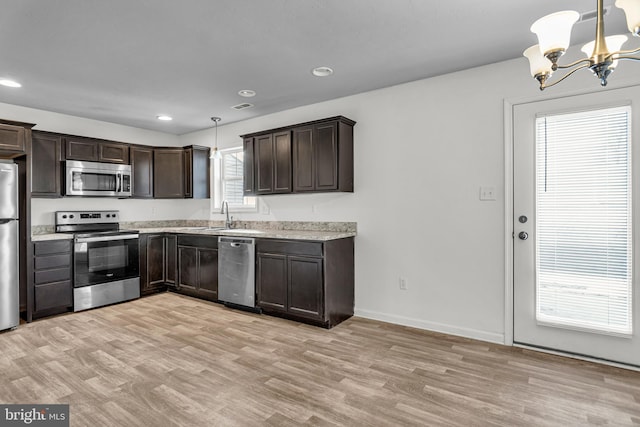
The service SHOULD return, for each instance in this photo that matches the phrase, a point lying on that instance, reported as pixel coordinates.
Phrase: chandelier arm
(633, 58)
(573, 64)
(544, 86)
(624, 52)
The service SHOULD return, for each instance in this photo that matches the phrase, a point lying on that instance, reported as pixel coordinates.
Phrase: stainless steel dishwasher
(236, 271)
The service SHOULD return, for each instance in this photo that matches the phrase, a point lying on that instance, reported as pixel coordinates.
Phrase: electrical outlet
(488, 193)
(403, 283)
(264, 208)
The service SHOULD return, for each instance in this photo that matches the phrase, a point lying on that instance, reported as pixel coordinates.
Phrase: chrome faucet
(229, 221)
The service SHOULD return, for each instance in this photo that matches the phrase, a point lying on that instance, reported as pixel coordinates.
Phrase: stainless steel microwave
(97, 179)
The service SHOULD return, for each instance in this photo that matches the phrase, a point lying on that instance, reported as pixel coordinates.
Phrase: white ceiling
(126, 61)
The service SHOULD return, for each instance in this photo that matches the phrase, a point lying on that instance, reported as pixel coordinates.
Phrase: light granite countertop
(271, 231)
(266, 233)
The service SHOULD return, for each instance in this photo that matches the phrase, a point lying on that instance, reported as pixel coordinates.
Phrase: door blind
(583, 220)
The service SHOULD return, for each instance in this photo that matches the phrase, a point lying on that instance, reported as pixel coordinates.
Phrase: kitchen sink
(242, 230)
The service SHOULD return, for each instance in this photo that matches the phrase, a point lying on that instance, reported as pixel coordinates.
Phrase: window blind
(232, 177)
(583, 220)
(228, 179)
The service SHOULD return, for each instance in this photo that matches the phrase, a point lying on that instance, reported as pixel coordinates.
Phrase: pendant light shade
(614, 43)
(215, 154)
(554, 31)
(632, 11)
(539, 64)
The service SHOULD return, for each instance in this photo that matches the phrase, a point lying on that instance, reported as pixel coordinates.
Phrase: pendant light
(603, 54)
(216, 153)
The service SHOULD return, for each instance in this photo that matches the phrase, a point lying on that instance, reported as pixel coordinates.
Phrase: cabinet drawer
(210, 242)
(51, 295)
(52, 247)
(55, 275)
(52, 261)
(289, 247)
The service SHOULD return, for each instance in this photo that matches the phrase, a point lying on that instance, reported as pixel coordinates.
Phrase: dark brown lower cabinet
(271, 281)
(157, 262)
(52, 277)
(312, 282)
(198, 266)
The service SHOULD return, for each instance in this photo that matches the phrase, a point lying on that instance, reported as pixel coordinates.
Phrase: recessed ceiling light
(322, 71)
(164, 117)
(247, 93)
(9, 83)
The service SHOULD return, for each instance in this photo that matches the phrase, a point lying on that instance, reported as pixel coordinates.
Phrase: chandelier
(554, 33)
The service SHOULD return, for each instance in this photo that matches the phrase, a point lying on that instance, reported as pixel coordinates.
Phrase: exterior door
(575, 206)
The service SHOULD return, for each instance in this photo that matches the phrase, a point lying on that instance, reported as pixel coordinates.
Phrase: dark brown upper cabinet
(168, 173)
(46, 154)
(196, 172)
(309, 157)
(113, 152)
(273, 163)
(142, 172)
(323, 156)
(94, 150)
(249, 172)
(13, 138)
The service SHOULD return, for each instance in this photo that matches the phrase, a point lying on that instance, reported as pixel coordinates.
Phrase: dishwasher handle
(236, 242)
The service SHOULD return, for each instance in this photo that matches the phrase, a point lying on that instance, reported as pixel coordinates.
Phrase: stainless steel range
(106, 263)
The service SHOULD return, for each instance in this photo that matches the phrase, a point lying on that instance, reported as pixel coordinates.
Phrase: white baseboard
(432, 326)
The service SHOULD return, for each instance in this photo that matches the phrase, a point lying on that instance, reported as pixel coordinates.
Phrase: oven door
(101, 259)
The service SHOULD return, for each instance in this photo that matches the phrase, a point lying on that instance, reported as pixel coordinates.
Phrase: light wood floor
(169, 360)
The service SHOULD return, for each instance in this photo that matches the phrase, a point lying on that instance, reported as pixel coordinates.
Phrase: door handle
(523, 235)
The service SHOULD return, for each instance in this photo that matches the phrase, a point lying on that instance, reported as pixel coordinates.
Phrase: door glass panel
(583, 214)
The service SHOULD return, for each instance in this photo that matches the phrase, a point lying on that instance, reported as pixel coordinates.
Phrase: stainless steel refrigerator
(9, 248)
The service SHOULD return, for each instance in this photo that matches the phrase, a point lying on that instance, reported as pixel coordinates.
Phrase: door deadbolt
(523, 235)
(523, 219)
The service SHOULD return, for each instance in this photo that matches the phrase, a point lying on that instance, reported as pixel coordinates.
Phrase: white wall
(422, 151)
(130, 210)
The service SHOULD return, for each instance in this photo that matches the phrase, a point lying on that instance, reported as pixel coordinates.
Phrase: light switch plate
(488, 193)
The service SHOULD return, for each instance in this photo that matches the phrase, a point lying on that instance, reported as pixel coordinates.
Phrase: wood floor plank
(170, 360)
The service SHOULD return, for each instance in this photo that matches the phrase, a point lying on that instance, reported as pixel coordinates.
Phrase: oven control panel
(87, 217)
